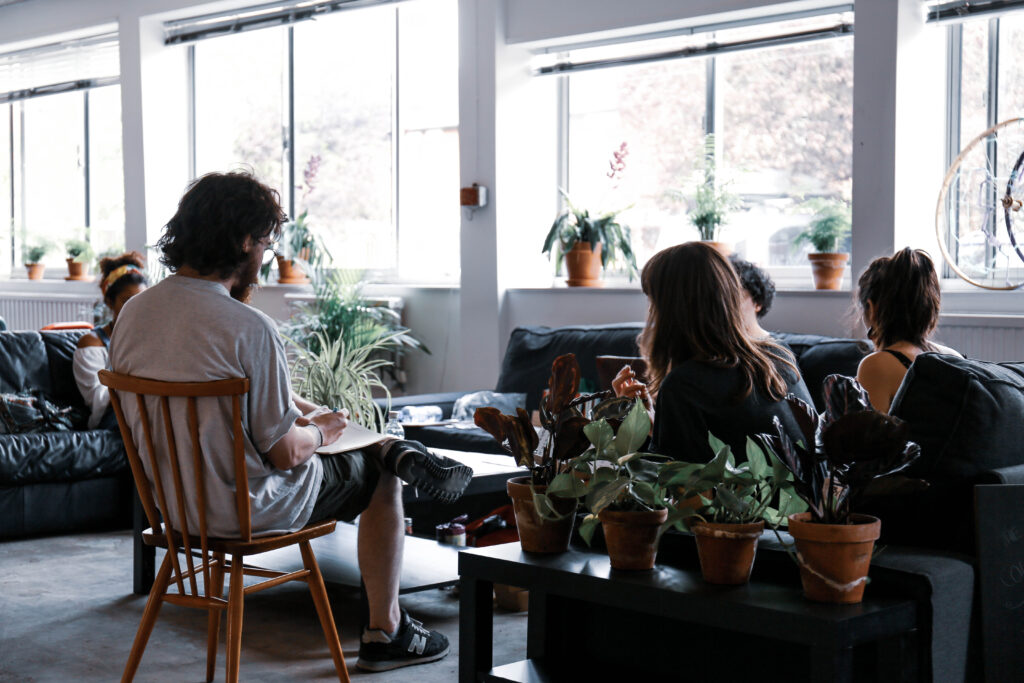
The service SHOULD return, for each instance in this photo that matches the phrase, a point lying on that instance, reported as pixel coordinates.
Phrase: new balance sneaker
(439, 477)
(410, 644)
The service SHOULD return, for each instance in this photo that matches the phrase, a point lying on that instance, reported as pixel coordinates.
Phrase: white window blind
(699, 41)
(256, 17)
(960, 10)
(59, 67)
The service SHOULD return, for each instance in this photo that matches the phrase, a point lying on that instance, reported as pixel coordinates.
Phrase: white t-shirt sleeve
(86, 362)
(271, 409)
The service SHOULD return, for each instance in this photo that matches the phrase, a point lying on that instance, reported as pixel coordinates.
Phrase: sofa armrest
(1014, 474)
(445, 400)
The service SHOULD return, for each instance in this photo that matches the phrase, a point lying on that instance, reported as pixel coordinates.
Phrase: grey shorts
(348, 484)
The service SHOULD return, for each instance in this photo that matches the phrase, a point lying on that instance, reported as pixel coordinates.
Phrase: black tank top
(902, 358)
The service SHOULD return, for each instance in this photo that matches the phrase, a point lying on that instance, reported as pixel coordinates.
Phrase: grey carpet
(67, 613)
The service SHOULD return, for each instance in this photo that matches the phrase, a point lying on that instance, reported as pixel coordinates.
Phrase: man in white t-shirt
(196, 326)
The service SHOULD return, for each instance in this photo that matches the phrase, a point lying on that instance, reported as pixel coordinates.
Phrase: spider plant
(341, 374)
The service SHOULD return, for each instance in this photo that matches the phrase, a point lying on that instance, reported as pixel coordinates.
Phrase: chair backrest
(164, 454)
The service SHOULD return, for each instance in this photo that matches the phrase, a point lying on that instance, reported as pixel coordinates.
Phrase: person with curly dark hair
(758, 295)
(899, 299)
(195, 326)
(121, 278)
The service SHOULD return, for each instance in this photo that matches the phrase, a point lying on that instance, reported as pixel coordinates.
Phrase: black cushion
(60, 456)
(474, 440)
(60, 351)
(819, 357)
(531, 351)
(24, 365)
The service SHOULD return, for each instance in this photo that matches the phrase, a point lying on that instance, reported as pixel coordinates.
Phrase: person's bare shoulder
(89, 339)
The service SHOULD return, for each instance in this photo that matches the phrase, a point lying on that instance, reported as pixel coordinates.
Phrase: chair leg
(235, 605)
(323, 609)
(215, 590)
(149, 615)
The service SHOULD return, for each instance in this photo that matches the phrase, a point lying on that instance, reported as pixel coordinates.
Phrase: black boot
(439, 477)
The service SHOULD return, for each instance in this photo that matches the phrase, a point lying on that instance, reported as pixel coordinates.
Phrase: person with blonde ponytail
(899, 299)
(705, 368)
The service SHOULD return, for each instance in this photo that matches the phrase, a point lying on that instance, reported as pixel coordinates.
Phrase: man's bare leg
(381, 540)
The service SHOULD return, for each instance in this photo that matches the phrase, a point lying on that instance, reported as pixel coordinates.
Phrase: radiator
(985, 337)
(31, 312)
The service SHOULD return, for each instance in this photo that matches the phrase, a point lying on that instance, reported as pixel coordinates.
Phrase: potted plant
(840, 455)
(619, 488)
(79, 254)
(32, 255)
(732, 505)
(544, 522)
(711, 202)
(829, 227)
(301, 252)
(589, 243)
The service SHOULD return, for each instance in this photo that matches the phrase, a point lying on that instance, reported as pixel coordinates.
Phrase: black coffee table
(582, 613)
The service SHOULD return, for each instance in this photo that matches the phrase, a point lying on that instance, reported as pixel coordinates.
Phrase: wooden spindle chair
(203, 555)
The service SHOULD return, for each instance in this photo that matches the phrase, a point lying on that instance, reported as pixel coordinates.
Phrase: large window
(61, 174)
(354, 118)
(781, 119)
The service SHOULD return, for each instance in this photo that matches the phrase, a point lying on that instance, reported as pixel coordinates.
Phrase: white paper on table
(354, 436)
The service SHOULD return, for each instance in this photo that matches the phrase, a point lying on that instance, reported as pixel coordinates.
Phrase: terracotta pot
(289, 273)
(726, 551)
(834, 558)
(721, 247)
(827, 270)
(632, 537)
(584, 265)
(538, 535)
(76, 270)
(35, 270)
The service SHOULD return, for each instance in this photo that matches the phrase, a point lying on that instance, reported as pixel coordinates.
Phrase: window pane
(787, 135)
(428, 164)
(6, 187)
(106, 170)
(658, 111)
(54, 183)
(973, 81)
(240, 91)
(344, 83)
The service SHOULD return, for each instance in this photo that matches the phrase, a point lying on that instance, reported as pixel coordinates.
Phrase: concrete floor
(67, 613)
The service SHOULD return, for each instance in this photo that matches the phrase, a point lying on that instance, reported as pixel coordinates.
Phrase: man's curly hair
(757, 283)
(216, 214)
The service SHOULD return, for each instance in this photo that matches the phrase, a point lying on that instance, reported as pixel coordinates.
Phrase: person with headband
(121, 279)
(899, 299)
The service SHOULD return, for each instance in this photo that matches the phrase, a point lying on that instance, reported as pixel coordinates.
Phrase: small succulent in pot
(844, 451)
(78, 250)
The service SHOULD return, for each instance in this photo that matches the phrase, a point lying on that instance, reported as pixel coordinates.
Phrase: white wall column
(132, 141)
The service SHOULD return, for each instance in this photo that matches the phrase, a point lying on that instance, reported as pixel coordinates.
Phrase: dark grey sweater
(697, 397)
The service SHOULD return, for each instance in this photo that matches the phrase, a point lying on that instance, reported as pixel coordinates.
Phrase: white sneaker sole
(389, 664)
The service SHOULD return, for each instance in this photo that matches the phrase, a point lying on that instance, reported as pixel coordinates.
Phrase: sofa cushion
(531, 351)
(60, 352)
(819, 357)
(60, 456)
(24, 365)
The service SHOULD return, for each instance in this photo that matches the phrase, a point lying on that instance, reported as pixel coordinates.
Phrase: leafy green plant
(343, 375)
(299, 243)
(829, 227)
(561, 418)
(844, 451)
(340, 311)
(728, 493)
(34, 253)
(612, 473)
(78, 250)
(577, 225)
(712, 201)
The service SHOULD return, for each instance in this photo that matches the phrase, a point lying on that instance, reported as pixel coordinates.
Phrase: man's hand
(299, 444)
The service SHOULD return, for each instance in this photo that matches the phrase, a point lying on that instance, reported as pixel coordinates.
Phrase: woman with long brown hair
(899, 299)
(706, 370)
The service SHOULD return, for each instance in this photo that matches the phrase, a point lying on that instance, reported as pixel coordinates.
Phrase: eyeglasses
(269, 245)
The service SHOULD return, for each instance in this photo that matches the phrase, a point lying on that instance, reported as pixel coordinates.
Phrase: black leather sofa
(531, 350)
(60, 481)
